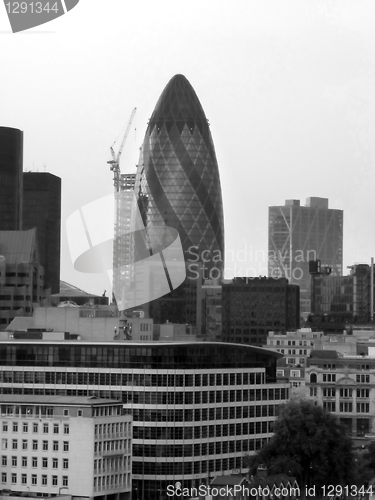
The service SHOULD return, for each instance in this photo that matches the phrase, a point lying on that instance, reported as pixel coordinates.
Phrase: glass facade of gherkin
(177, 182)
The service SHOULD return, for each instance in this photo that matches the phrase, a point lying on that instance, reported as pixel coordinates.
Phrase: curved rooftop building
(198, 408)
(178, 182)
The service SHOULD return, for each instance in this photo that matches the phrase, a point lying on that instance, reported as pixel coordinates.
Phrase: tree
(309, 444)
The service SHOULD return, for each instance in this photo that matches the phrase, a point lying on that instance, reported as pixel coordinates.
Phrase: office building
(252, 307)
(178, 185)
(51, 445)
(11, 164)
(299, 234)
(122, 245)
(198, 407)
(42, 210)
(341, 300)
(345, 386)
(21, 275)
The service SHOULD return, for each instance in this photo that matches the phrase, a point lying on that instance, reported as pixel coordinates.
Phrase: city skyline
(286, 88)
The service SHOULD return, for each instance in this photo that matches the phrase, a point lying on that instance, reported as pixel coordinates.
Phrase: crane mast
(115, 162)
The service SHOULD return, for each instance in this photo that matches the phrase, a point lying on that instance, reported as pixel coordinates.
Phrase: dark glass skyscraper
(42, 209)
(11, 160)
(178, 183)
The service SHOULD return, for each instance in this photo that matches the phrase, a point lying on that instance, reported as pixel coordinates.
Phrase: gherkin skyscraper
(178, 182)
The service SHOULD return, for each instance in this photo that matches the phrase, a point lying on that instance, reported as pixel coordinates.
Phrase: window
(55, 428)
(66, 445)
(34, 479)
(54, 480)
(363, 393)
(329, 377)
(66, 413)
(363, 379)
(3, 477)
(45, 428)
(44, 462)
(45, 445)
(24, 461)
(4, 444)
(79, 413)
(35, 428)
(65, 463)
(66, 428)
(55, 463)
(14, 478)
(363, 407)
(5, 426)
(329, 392)
(25, 427)
(65, 481)
(295, 373)
(35, 444)
(14, 461)
(24, 444)
(44, 480)
(4, 461)
(14, 444)
(24, 478)
(329, 406)
(34, 462)
(346, 393)
(15, 426)
(55, 446)
(346, 407)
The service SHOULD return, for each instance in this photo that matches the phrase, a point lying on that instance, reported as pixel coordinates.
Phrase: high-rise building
(252, 307)
(178, 185)
(337, 301)
(11, 164)
(299, 234)
(42, 209)
(21, 275)
(122, 245)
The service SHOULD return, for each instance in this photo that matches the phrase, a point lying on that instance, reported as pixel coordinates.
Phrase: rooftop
(55, 400)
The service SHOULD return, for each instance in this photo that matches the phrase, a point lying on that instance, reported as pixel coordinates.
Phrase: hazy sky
(288, 88)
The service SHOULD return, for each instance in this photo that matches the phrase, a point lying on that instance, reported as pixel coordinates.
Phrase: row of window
(202, 432)
(37, 411)
(163, 468)
(35, 427)
(130, 379)
(346, 407)
(24, 444)
(117, 444)
(205, 397)
(23, 478)
(202, 415)
(331, 377)
(14, 461)
(330, 392)
(201, 449)
(110, 464)
(112, 429)
(111, 482)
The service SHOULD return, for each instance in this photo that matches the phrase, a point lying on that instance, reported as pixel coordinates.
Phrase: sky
(287, 86)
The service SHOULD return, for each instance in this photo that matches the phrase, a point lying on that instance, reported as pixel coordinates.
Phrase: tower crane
(115, 162)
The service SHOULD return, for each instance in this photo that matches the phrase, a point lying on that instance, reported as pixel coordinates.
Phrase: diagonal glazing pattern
(177, 182)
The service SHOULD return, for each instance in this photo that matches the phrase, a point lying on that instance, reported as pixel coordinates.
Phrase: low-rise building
(62, 444)
(345, 386)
